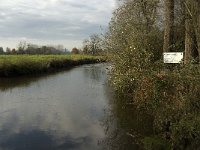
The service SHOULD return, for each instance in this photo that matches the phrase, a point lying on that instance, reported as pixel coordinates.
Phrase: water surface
(70, 110)
(61, 111)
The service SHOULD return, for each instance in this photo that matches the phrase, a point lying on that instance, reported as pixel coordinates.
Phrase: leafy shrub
(171, 96)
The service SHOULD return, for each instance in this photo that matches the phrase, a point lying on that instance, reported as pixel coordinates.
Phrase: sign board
(173, 57)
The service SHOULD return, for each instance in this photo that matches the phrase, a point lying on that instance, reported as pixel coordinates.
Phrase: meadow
(17, 65)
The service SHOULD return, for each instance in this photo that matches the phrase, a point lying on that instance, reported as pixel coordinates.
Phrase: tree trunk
(198, 34)
(192, 39)
(169, 25)
(188, 41)
(196, 22)
(191, 52)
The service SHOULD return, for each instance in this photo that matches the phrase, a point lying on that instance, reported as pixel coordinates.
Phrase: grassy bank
(16, 65)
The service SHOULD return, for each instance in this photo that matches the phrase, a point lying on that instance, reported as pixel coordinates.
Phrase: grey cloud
(53, 19)
(74, 4)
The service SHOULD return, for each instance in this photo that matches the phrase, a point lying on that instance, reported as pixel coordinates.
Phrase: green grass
(16, 65)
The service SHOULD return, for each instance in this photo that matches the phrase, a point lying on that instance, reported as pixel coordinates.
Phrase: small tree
(22, 46)
(8, 50)
(93, 45)
(14, 51)
(86, 49)
(1, 50)
(75, 51)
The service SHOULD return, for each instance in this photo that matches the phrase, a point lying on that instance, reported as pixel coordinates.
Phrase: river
(57, 111)
(71, 110)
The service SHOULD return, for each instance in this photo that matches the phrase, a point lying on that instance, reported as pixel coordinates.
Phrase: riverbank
(17, 65)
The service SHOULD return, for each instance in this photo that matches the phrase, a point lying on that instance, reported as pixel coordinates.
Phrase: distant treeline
(28, 48)
(92, 46)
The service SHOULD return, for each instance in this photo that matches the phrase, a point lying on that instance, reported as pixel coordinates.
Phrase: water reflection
(39, 140)
(94, 73)
(125, 126)
(10, 83)
(61, 111)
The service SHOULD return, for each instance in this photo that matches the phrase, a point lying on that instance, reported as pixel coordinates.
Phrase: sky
(52, 22)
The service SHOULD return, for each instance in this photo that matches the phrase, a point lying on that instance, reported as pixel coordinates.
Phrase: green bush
(171, 96)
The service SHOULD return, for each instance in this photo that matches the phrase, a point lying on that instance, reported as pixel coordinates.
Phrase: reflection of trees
(9, 83)
(94, 72)
(125, 126)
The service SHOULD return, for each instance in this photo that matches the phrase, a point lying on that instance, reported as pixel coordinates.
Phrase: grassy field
(16, 65)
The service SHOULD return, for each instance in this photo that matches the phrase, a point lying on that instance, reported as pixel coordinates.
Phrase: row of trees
(28, 48)
(91, 46)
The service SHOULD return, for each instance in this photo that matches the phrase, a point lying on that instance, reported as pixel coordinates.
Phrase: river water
(60, 111)
(70, 110)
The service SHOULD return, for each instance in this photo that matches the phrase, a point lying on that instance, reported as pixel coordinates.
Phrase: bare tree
(93, 45)
(8, 50)
(22, 46)
(1, 50)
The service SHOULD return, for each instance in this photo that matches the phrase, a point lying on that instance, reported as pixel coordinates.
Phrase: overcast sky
(65, 22)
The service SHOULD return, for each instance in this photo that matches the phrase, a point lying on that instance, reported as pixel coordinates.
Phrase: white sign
(173, 57)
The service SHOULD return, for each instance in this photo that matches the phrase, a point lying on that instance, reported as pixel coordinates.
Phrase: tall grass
(15, 65)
